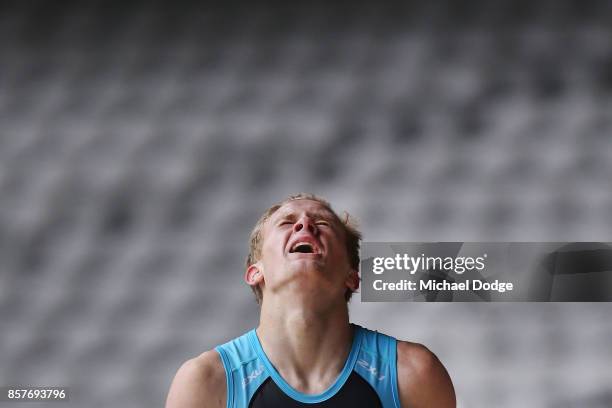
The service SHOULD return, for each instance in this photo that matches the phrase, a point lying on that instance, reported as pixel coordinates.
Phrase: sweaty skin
(304, 324)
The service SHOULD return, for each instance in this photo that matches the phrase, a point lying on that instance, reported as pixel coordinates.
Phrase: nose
(305, 223)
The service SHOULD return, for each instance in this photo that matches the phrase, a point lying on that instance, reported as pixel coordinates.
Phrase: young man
(303, 268)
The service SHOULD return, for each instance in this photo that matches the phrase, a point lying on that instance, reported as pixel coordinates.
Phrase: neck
(308, 346)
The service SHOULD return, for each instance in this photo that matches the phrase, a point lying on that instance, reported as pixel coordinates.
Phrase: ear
(254, 274)
(352, 280)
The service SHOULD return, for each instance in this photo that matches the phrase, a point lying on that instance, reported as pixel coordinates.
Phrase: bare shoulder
(422, 379)
(199, 383)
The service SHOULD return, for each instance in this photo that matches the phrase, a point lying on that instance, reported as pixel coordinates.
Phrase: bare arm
(199, 383)
(422, 379)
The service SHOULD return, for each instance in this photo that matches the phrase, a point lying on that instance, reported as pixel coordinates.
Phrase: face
(303, 252)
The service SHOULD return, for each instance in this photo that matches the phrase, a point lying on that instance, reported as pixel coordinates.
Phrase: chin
(307, 265)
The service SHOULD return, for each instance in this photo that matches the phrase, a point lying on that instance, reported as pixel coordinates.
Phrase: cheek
(272, 250)
(338, 249)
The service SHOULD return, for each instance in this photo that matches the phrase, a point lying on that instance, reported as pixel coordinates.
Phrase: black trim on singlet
(355, 393)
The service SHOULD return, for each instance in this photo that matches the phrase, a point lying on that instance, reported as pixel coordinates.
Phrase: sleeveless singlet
(368, 379)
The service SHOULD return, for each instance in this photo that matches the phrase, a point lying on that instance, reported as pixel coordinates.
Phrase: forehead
(310, 207)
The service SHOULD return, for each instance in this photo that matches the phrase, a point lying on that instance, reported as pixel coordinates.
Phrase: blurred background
(140, 142)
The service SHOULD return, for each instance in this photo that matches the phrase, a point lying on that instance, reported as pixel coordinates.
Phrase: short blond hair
(352, 237)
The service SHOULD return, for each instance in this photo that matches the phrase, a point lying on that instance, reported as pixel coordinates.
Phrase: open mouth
(303, 247)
